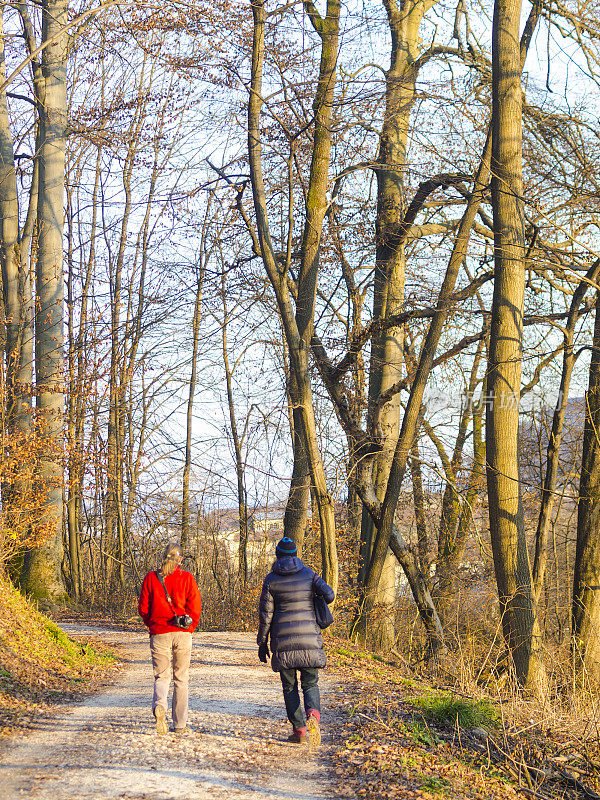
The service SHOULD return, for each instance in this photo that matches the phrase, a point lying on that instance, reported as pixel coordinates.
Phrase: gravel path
(106, 748)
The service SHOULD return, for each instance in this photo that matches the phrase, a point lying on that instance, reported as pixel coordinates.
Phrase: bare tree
(298, 322)
(16, 243)
(586, 599)
(509, 546)
(555, 437)
(196, 319)
(41, 573)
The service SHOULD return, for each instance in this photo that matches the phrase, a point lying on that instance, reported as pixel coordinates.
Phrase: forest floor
(380, 740)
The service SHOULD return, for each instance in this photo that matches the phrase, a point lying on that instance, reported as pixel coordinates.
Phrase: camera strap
(159, 575)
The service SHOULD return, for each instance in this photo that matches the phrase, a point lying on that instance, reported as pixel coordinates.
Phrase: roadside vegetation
(40, 666)
(406, 734)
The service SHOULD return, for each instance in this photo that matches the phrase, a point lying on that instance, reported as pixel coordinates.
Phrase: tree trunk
(116, 420)
(114, 457)
(357, 400)
(420, 590)
(419, 506)
(509, 546)
(185, 493)
(383, 513)
(385, 517)
(237, 449)
(553, 452)
(79, 390)
(18, 322)
(586, 581)
(296, 508)
(298, 325)
(73, 456)
(316, 205)
(387, 348)
(41, 574)
(451, 537)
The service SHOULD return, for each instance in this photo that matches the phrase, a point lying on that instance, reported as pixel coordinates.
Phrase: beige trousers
(171, 652)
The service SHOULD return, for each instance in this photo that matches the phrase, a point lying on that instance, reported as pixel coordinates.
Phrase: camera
(181, 621)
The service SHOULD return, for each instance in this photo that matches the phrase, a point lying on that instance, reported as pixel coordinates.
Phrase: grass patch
(436, 784)
(421, 734)
(445, 707)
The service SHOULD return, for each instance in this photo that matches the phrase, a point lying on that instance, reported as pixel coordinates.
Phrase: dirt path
(107, 747)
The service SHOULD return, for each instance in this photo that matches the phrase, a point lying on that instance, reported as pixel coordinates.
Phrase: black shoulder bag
(179, 620)
(323, 614)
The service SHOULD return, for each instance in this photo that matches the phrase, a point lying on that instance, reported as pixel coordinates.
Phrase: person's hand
(263, 652)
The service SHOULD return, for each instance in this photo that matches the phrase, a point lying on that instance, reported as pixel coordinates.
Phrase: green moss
(342, 651)
(73, 652)
(445, 707)
(70, 650)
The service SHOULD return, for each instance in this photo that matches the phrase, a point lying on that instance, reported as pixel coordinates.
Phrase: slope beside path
(107, 748)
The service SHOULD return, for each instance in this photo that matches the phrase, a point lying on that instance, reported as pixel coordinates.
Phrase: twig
(579, 785)
(401, 658)
(520, 766)
(533, 793)
(376, 721)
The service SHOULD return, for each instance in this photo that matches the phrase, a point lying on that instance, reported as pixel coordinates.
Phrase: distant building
(265, 528)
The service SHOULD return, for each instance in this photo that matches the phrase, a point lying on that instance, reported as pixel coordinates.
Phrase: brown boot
(161, 720)
(313, 731)
(298, 736)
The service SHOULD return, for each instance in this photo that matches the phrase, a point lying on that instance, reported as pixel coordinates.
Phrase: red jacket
(154, 609)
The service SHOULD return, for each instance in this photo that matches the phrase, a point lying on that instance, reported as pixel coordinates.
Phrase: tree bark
(41, 573)
(120, 359)
(296, 508)
(451, 537)
(18, 330)
(412, 414)
(387, 348)
(73, 456)
(185, 491)
(553, 451)
(419, 506)
(237, 448)
(298, 325)
(586, 580)
(383, 514)
(509, 546)
(79, 391)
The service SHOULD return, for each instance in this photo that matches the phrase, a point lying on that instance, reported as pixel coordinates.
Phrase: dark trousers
(309, 680)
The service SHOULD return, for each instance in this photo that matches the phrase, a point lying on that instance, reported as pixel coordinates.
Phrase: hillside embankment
(41, 667)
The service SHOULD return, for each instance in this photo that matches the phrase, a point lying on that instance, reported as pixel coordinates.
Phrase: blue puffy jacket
(287, 612)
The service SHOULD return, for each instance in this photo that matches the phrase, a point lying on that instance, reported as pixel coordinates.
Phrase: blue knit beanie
(286, 547)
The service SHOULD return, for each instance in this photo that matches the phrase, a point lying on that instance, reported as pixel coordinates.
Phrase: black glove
(263, 652)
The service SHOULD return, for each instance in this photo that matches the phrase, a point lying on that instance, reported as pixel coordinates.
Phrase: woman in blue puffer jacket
(287, 613)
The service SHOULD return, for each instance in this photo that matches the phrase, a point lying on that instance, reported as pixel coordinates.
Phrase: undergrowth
(410, 733)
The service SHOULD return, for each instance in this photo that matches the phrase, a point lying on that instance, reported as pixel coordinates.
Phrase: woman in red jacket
(170, 606)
